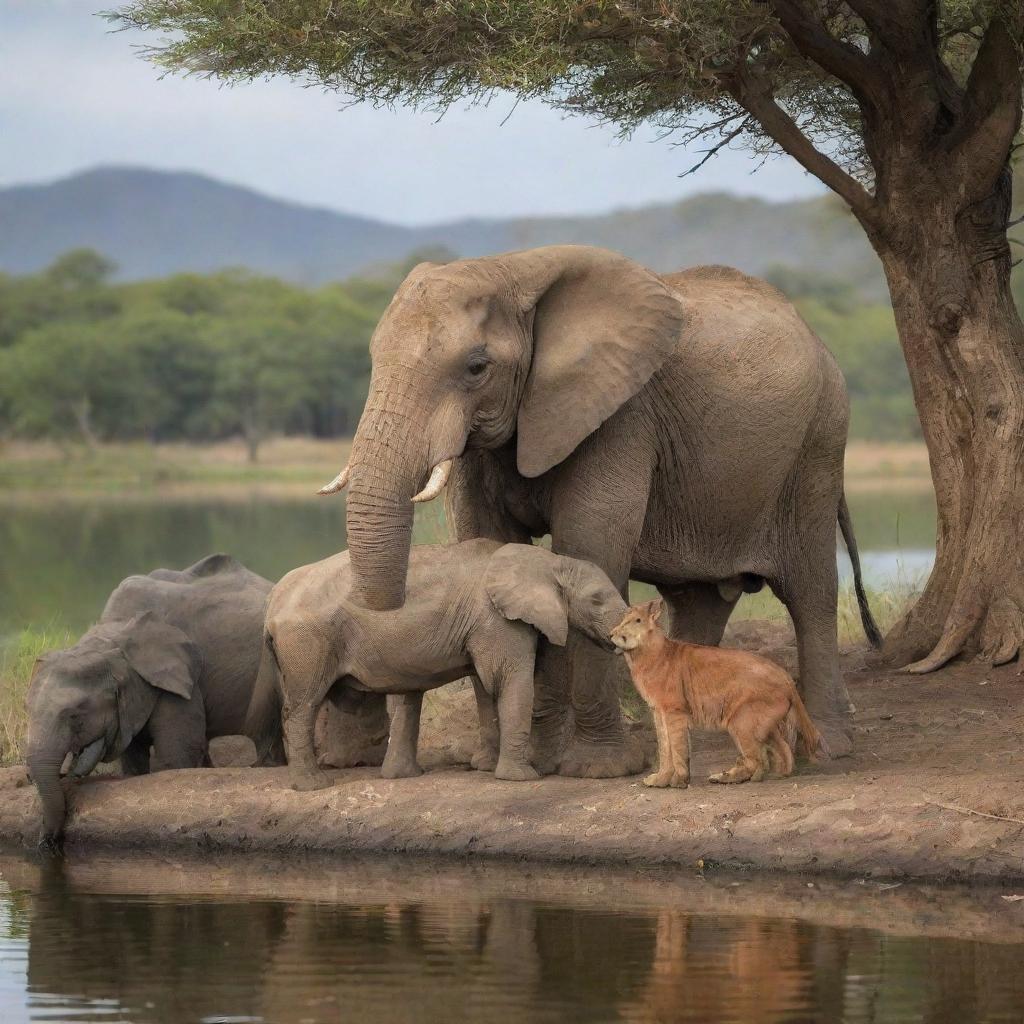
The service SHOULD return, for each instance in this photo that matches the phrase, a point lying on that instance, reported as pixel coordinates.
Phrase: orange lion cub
(689, 685)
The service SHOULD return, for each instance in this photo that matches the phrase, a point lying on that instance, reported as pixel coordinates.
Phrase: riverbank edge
(817, 830)
(966, 912)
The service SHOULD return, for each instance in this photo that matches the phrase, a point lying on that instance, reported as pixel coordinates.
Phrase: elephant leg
(698, 613)
(514, 689)
(178, 730)
(486, 757)
(400, 760)
(590, 677)
(135, 759)
(351, 732)
(599, 748)
(552, 707)
(810, 593)
(307, 674)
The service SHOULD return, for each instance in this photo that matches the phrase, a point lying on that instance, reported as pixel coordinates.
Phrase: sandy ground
(930, 792)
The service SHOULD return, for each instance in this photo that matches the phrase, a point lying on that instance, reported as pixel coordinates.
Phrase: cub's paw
(659, 780)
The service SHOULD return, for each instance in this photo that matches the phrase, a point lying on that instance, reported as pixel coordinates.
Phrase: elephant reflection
(160, 959)
(187, 958)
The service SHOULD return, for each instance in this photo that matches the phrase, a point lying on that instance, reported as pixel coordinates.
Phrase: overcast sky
(74, 95)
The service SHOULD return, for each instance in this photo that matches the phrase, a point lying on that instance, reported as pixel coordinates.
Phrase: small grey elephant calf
(473, 608)
(170, 665)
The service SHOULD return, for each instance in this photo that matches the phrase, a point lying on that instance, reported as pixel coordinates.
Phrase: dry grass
(297, 463)
(16, 661)
(42, 466)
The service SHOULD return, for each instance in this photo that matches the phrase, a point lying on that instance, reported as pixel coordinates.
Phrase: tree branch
(724, 141)
(991, 114)
(832, 55)
(896, 24)
(759, 102)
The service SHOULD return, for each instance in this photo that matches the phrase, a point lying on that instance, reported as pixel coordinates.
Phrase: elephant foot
(400, 769)
(51, 845)
(516, 771)
(484, 760)
(372, 757)
(664, 780)
(548, 738)
(309, 781)
(837, 731)
(585, 760)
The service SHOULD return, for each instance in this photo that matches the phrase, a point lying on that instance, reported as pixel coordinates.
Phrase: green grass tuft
(17, 659)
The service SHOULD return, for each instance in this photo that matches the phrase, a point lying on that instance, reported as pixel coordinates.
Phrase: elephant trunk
(388, 464)
(44, 764)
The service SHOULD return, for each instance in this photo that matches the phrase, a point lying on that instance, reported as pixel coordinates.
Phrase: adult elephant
(685, 430)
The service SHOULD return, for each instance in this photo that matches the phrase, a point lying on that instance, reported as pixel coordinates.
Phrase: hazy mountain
(154, 222)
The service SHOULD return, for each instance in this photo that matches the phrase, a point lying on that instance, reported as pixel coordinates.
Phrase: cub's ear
(161, 654)
(655, 608)
(522, 583)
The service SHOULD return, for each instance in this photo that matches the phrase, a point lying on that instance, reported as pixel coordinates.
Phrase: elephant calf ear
(603, 325)
(162, 655)
(520, 581)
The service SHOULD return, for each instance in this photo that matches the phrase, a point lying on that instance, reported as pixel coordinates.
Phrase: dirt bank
(936, 774)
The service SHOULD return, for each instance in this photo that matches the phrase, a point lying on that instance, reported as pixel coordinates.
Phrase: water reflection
(70, 954)
(60, 560)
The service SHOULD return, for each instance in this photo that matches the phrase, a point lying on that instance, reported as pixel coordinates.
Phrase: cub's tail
(811, 743)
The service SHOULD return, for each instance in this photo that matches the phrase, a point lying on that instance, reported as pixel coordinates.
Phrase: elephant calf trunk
(45, 771)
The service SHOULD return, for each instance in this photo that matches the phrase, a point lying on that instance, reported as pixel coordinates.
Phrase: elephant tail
(263, 721)
(871, 630)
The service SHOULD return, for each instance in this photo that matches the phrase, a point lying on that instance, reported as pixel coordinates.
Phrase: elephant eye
(477, 366)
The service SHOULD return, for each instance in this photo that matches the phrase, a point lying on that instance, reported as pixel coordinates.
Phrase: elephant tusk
(436, 483)
(339, 483)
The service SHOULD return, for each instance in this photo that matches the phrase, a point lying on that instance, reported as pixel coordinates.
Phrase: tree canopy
(770, 74)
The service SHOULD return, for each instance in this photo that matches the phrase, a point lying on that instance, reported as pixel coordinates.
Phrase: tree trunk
(949, 276)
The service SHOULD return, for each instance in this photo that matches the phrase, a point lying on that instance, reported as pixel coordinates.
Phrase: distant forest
(203, 357)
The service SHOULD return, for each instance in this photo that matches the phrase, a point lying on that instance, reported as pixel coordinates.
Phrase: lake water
(174, 942)
(60, 558)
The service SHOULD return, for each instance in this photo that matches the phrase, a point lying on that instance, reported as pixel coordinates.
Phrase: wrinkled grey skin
(171, 663)
(472, 609)
(685, 430)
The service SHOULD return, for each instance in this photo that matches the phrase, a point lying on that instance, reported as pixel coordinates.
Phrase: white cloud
(74, 94)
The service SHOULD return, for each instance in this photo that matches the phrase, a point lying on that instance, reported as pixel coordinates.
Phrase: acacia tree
(907, 109)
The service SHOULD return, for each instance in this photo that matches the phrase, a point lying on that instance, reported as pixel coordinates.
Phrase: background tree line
(204, 357)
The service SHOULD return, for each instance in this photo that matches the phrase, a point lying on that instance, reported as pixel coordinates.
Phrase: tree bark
(948, 270)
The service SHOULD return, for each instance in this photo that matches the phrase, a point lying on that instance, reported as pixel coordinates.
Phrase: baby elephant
(171, 663)
(690, 685)
(471, 609)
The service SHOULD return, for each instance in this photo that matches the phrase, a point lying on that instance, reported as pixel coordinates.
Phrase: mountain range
(153, 223)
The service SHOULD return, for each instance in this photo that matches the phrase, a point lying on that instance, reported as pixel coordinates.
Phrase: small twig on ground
(971, 810)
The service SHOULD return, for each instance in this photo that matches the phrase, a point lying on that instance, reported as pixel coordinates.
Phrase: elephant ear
(161, 654)
(522, 583)
(602, 326)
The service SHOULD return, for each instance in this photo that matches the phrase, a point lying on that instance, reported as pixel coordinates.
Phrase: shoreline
(911, 909)
(795, 827)
(932, 792)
